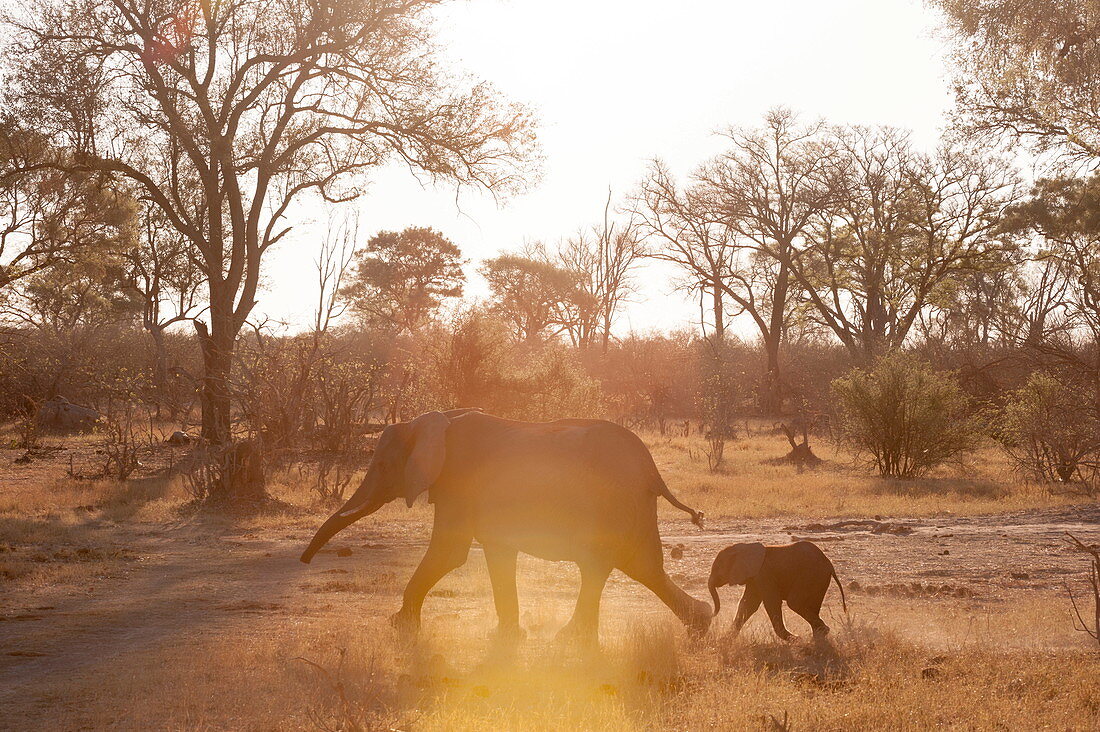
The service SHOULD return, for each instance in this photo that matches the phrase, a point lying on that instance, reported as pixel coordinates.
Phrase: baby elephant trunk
(713, 584)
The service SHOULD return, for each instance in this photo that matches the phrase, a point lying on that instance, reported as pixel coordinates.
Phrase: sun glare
(587, 365)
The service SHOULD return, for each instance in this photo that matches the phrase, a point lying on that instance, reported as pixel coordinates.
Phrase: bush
(1051, 433)
(905, 416)
(721, 396)
(298, 390)
(648, 379)
(477, 364)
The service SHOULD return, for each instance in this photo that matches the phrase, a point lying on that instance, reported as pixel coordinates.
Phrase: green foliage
(1028, 68)
(1051, 433)
(401, 279)
(904, 416)
(534, 297)
(51, 215)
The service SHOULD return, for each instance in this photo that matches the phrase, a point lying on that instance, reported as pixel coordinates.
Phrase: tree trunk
(718, 307)
(160, 370)
(1096, 378)
(240, 469)
(772, 401)
(217, 359)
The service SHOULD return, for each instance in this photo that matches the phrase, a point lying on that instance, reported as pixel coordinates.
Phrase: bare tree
(283, 380)
(167, 283)
(1091, 629)
(336, 255)
(603, 259)
(225, 115)
(735, 228)
(685, 231)
(1042, 303)
(767, 188)
(899, 225)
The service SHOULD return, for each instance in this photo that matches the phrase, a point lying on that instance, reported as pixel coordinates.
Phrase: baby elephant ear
(428, 453)
(746, 562)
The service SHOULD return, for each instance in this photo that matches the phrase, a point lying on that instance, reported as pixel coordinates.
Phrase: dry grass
(752, 485)
(646, 677)
(122, 608)
(749, 485)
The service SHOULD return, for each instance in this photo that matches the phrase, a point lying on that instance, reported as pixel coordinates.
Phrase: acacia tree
(536, 297)
(401, 279)
(225, 115)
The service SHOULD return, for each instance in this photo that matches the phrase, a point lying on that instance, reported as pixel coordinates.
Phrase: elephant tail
(696, 516)
(843, 601)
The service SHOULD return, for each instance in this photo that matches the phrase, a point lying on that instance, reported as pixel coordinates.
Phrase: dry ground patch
(122, 609)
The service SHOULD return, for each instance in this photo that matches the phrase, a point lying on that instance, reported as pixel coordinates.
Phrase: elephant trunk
(359, 505)
(713, 585)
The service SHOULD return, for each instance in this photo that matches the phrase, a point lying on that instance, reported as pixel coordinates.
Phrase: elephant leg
(750, 603)
(810, 610)
(648, 568)
(501, 561)
(584, 625)
(774, 607)
(446, 552)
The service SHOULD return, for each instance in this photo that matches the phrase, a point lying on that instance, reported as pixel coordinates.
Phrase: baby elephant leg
(750, 602)
(811, 613)
(774, 607)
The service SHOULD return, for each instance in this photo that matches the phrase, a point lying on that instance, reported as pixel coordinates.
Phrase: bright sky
(618, 82)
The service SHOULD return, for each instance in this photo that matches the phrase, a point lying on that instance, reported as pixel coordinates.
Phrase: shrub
(305, 390)
(1051, 433)
(906, 417)
(721, 396)
(477, 364)
(648, 379)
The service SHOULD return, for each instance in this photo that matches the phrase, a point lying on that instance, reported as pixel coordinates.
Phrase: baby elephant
(798, 573)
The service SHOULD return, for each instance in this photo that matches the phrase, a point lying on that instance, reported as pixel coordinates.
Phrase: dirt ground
(194, 622)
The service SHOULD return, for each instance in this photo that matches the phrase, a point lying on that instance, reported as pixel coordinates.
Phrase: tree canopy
(401, 279)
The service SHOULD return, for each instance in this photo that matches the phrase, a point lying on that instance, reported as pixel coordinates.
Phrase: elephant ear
(746, 562)
(429, 450)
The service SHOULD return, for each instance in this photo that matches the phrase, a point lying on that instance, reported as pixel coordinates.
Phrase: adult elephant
(578, 490)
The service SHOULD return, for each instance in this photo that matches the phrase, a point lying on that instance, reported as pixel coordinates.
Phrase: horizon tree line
(152, 154)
